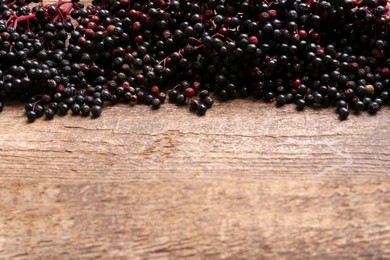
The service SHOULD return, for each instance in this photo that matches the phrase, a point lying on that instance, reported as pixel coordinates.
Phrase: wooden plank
(240, 137)
(194, 217)
(246, 181)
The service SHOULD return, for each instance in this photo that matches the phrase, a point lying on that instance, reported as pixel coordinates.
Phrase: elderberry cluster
(307, 52)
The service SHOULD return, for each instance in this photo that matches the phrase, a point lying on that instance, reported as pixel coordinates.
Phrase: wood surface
(246, 181)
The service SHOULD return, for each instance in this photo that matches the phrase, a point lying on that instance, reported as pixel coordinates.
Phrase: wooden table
(247, 180)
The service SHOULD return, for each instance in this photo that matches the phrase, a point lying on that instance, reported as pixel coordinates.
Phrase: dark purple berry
(96, 110)
(208, 101)
(31, 116)
(85, 110)
(194, 104)
(343, 113)
(201, 110)
(50, 113)
(374, 107)
(156, 103)
(180, 99)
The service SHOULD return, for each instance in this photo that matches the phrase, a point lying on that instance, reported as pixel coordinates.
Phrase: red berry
(196, 85)
(140, 78)
(155, 90)
(133, 14)
(314, 36)
(89, 33)
(143, 18)
(81, 41)
(272, 13)
(95, 18)
(385, 72)
(139, 39)
(189, 92)
(296, 37)
(125, 2)
(110, 29)
(137, 26)
(302, 34)
(296, 83)
(126, 84)
(253, 40)
(92, 25)
(353, 66)
(60, 88)
(320, 52)
(264, 16)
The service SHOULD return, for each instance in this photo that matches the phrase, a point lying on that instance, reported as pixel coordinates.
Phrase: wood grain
(246, 181)
(248, 136)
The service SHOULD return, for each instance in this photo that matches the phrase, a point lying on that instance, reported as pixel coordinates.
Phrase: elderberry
(96, 110)
(316, 53)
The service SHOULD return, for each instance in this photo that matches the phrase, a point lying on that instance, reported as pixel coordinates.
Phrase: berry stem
(62, 12)
(25, 17)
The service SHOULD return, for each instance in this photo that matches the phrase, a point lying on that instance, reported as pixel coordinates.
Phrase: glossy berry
(203, 94)
(300, 104)
(173, 95)
(281, 100)
(156, 103)
(180, 99)
(374, 107)
(39, 110)
(76, 108)
(358, 106)
(31, 116)
(189, 92)
(343, 113)
(208, 101)
(201, 110)
(63, 109)
(194, 104)
(96, 110)
(85, 110)
(49, 113)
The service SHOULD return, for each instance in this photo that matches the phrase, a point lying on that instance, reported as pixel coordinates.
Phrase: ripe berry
(180, 99)
(208, 101)
(63, 109)
(155, 90)
(281, 100)
(300, 104)
(50, 113)
(201, 110)
(203, 94)
(96, 110)
(173, 95)
(31, 116)
(85, 110)
(374, 107)
(156, 103)
(358, 106)
(39, 110)
(76, 108)
(189, 92)
(343, 113)
(194, 104)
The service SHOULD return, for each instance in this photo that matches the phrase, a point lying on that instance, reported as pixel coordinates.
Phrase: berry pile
(69, 57)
